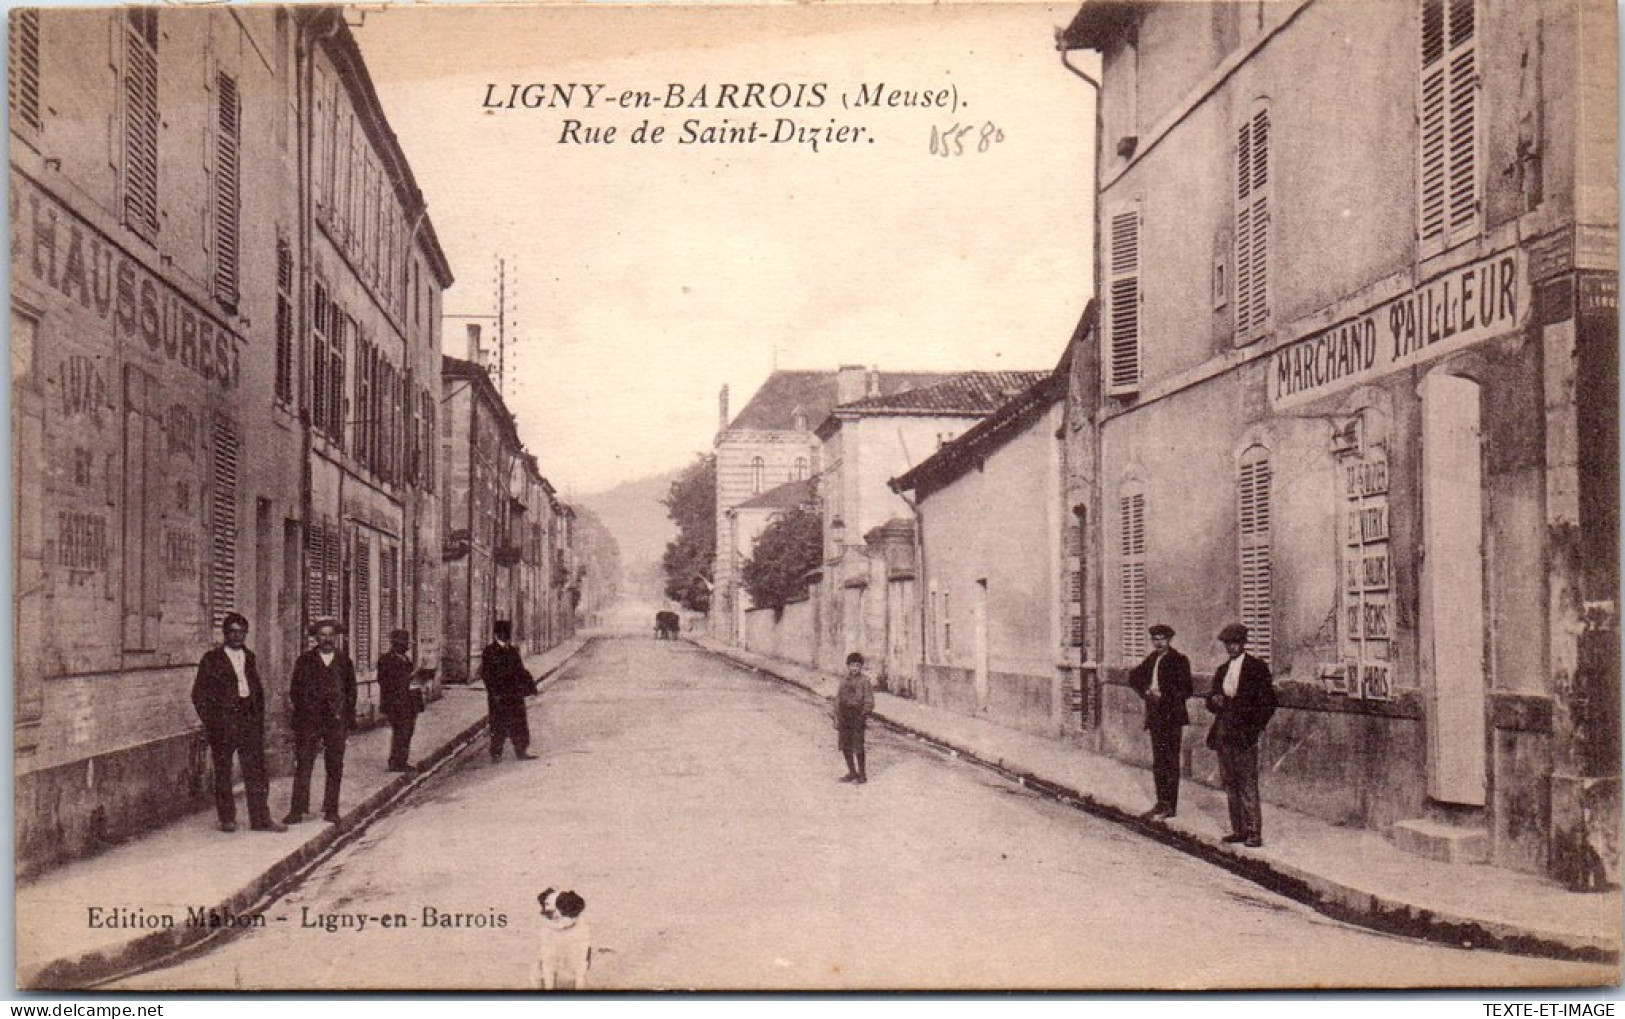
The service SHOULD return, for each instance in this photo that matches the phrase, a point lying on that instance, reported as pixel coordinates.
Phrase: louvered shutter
(363, 598)
(319, 357)
(141, 120)
(337, 344)
(284, 322)
(1131, 511)
(1448, 124)
(24, 68)
(1253, 491)
(1123, 311)
(223, 521)
(388, 577)
(227, 187)
(1252, 227)
(315, 572)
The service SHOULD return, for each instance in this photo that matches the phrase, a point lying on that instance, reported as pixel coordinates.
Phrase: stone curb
(103, 965)
(1322, 894)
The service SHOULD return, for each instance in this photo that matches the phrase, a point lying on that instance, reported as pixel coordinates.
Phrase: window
(388, 588)
(1131, 572)
(227, 187)
(799, 473)
(284, 323)
(24, 76)
(757, 470)
(1448, 114)
(338, 339)
(363, 598)
(140, 180)
(1253, 492)
(322, 565)
(1123, 302)
(365, 422)
(223, 521)
(1252, 226)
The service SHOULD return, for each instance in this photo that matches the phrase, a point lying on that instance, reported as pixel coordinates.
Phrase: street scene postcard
(1099, 495)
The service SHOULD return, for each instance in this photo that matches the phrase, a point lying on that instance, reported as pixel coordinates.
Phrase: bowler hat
(1161, 630)
(1235, 633)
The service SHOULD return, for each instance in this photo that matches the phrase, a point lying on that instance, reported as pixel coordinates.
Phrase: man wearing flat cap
(1242, 700)
(397, 699)
(323, 696)
(1163, 680)
(231, 704)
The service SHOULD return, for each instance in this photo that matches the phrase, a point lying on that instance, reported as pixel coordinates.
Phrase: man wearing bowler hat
(1163, 680)
(323, 695)
(231, 704)
(1242, 700)
(397, 699)
(507, 684)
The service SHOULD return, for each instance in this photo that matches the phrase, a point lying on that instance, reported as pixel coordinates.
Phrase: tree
(786, 553)
(692, 505)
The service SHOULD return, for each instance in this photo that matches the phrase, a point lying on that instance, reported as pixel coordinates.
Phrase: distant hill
(635, 516)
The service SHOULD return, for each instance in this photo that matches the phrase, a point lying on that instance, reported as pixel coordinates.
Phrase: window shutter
(1254, 518)
(223, 521)
(315, 572)
(284, 322)
(319, 357)
(1131, 510)
(24, 76)
(1252, 226)
(363, 598)
(141, 120)
(1448, 122)
(227, 188)
(1124, 306)
(338, 341)
(388, 575)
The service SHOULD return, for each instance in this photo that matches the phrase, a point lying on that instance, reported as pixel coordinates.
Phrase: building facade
(1355, 388)
(375, 276)
(988, 598)
(188, 439)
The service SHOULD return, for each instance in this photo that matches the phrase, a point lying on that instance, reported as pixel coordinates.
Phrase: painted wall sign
(58, 250)
(1460, 308)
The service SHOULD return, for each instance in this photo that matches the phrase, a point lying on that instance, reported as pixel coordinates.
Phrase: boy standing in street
(853, 703)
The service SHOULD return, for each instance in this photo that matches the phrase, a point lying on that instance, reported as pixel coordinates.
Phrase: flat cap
(1161, 630)
(1235, 633)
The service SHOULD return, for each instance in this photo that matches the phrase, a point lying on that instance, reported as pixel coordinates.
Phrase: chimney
(474, 343)
(874, 382)
(851, 381)
(722, 409)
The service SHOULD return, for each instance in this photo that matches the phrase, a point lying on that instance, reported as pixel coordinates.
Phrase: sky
(644, 276)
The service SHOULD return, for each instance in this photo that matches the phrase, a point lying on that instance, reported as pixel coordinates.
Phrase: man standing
(853, 703)
(397, 699)
(323, 695)
(1163, 680)
(231, 705)
(1242, 700)
(507, 684)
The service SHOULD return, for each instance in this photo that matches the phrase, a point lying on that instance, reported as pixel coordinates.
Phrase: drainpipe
(921, 592)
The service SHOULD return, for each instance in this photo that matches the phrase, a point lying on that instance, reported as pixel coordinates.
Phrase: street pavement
(696, 807)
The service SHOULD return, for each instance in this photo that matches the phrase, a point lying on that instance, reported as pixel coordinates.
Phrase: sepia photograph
(1115, 495)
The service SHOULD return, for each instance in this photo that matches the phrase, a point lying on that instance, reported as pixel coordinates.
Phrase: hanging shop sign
(1464, 306)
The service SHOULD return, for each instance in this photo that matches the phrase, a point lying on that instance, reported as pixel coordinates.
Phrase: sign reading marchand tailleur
(1464, 306)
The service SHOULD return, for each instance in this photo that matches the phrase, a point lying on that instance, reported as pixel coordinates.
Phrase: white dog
(565, 951)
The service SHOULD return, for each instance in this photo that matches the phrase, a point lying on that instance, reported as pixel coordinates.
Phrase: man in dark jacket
(854, 702)
(323, 696)
(231, 704)
(1242, 700)
(1163, 680)
(399, 702)
(507, 684)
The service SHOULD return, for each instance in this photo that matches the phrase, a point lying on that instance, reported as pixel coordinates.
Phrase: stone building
(180, 430)
(986, 593)
(375, 274)
(866, 442)
(1356, 389)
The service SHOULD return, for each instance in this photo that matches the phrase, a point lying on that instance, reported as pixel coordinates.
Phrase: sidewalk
(190, 866)
(1351, 874)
